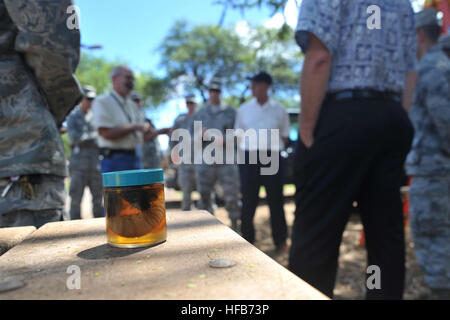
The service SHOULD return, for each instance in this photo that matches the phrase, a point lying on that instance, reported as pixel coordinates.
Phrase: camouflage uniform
(221, 118)
(38, 56)
(151, 153)
(429, 164)
(186, 171)
(444, 42)
(84, 163)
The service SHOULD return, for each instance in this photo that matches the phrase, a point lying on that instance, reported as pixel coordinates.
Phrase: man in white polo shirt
(120, 123)
(263, 113)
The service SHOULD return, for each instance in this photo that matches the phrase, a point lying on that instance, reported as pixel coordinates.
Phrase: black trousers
(251, 181)
(358, 155)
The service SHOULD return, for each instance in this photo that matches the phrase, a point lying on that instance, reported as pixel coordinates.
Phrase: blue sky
(132, 30)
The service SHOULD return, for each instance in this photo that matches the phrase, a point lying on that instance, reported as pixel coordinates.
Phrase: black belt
(107, 153)
(363, 94)
(85, 144)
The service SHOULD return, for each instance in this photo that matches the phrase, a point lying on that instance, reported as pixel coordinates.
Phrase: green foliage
(96, 71)
(67, 144)
(273, 5)
(279, 55)
(192, 56)
(235, 101)
(154, 90)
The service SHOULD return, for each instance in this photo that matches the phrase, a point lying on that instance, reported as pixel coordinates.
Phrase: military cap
(444, 41)
(190, 99)
(427, 17)
(89, 92)
(215, 84)
(262, 77)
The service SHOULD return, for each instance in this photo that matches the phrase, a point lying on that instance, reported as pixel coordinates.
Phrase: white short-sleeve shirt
(272, 115)
(111, 111)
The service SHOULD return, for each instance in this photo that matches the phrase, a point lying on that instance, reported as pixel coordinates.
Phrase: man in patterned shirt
(354, 136)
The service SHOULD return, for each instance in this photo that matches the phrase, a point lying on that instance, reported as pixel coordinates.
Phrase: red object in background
(405, 198)
(444, 7)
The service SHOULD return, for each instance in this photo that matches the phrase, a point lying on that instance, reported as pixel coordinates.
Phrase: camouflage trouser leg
(228, 177)
(430, 226)
(186, 180)
(96, 187)
(30, 218)
(78, 181)
(44, 204)
(206, 178)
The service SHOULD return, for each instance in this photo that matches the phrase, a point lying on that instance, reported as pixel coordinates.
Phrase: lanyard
(122, 107)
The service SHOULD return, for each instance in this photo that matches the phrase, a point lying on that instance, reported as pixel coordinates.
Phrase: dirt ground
(352, 263)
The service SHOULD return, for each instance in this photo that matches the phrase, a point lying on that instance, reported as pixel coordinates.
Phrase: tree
(96, 72)
(274, 5)
(192, 56)
(278, 54)
(155, 91)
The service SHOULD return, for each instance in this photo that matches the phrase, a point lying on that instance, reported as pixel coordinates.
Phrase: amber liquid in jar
(135, 216)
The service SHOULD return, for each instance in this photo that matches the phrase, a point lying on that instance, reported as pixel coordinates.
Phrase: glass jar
(135, 208)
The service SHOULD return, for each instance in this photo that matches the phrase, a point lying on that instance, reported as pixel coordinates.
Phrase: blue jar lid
(133, 178)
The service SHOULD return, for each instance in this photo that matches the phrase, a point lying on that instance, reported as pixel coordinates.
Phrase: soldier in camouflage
(429, 161)
(38, 57)
(216, 115)
(186, 171)
(152, 156)
(84, 160)
(150, 150)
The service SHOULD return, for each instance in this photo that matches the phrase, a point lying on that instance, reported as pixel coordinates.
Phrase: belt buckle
(8, 187)
(107, 153)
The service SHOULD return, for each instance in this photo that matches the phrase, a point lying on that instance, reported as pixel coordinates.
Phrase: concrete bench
(178, 269)
(10, 237)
